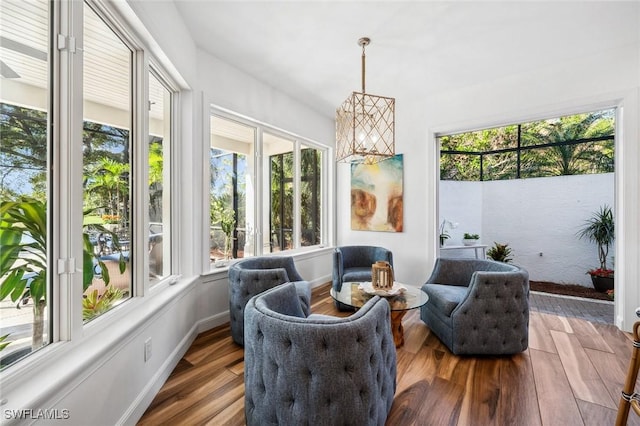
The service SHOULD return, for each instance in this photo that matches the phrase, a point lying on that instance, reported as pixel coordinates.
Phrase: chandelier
(365, 125)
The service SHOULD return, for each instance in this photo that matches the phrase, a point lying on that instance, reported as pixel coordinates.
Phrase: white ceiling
(308, 49)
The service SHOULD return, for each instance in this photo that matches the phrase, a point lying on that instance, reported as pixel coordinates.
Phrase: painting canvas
(376, 195)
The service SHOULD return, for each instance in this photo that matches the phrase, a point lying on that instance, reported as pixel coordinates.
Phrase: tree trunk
(38, 324)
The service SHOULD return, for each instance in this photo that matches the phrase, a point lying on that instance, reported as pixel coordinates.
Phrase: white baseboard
(319, 281)
(213, 321)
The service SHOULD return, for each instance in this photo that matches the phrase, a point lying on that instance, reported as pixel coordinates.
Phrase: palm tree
(109, 182)
(570, 159)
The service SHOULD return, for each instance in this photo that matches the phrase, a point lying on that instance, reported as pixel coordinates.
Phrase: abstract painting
(376, 195)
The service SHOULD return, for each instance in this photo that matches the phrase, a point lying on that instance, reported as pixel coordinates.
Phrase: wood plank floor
(572, 374)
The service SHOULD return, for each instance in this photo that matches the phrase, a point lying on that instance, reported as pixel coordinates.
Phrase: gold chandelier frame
(365, 124)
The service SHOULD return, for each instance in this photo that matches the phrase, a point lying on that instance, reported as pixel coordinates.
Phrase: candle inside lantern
(382, 275)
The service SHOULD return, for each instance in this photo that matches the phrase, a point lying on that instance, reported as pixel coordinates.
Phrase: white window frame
(65, 245)
(165, 80)
(261, 196)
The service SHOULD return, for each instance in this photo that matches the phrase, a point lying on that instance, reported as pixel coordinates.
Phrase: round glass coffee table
(352, 295)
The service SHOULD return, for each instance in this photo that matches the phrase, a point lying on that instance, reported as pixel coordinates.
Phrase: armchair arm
(338, 269)
(290, 267)
(495, 291)
(383, 254)
(494, 313)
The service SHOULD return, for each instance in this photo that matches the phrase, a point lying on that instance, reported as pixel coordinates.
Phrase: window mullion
(140, 174)
(67, 179)
(262, 194)
(297, 209)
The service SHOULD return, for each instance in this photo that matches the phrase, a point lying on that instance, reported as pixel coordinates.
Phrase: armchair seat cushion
(445, 298)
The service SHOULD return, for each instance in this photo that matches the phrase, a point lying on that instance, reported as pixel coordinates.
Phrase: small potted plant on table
(600, 229)
(470, 239)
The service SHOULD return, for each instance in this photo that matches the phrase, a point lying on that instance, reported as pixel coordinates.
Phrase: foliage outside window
(227, 204)
(569, 145)
(159, 253)
(281, 189)
(25, 185)
(282, 199)
(107, 160)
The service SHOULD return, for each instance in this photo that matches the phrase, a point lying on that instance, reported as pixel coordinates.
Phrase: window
(159, 253)
(231, 171)
(278, 152)
(266, 206)
(25, 148)
(107, 158)
(310, 196)
(569, 145)
(38, 122)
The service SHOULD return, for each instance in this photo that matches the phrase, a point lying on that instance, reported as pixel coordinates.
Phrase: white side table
(480, 250)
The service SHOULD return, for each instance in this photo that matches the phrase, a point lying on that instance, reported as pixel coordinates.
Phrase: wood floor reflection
(572, 374)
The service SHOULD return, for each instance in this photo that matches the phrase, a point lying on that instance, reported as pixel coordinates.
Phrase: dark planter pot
(602, 284)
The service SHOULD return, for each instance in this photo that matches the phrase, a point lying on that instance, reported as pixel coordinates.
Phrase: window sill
(300, 254)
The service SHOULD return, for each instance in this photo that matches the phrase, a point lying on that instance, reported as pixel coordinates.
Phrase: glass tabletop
(353, 295)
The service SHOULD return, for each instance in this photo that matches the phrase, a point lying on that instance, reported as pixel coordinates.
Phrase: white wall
(538, 218)
(463, 206)
(603, 78)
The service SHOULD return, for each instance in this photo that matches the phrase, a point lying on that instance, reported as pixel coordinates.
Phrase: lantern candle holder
(382, 275)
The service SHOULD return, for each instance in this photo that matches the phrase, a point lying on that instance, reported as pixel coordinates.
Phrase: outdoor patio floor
(599, 311)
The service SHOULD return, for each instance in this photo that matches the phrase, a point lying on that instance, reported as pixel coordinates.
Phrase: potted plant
(443, 233)
(600, 229)
(470, 239)
(500, 253)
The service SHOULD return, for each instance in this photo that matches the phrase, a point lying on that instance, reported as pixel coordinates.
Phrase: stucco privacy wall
(534, 216)
(461, 205)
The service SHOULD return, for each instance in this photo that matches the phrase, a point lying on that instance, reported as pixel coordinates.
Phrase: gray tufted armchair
(254, 275)
(353, 264)
(478, 307)
(317, 369)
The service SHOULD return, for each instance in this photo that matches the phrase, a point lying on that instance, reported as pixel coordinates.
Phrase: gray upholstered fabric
(254, 275)
(353, 264)
(320, 370)
(478, 307)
